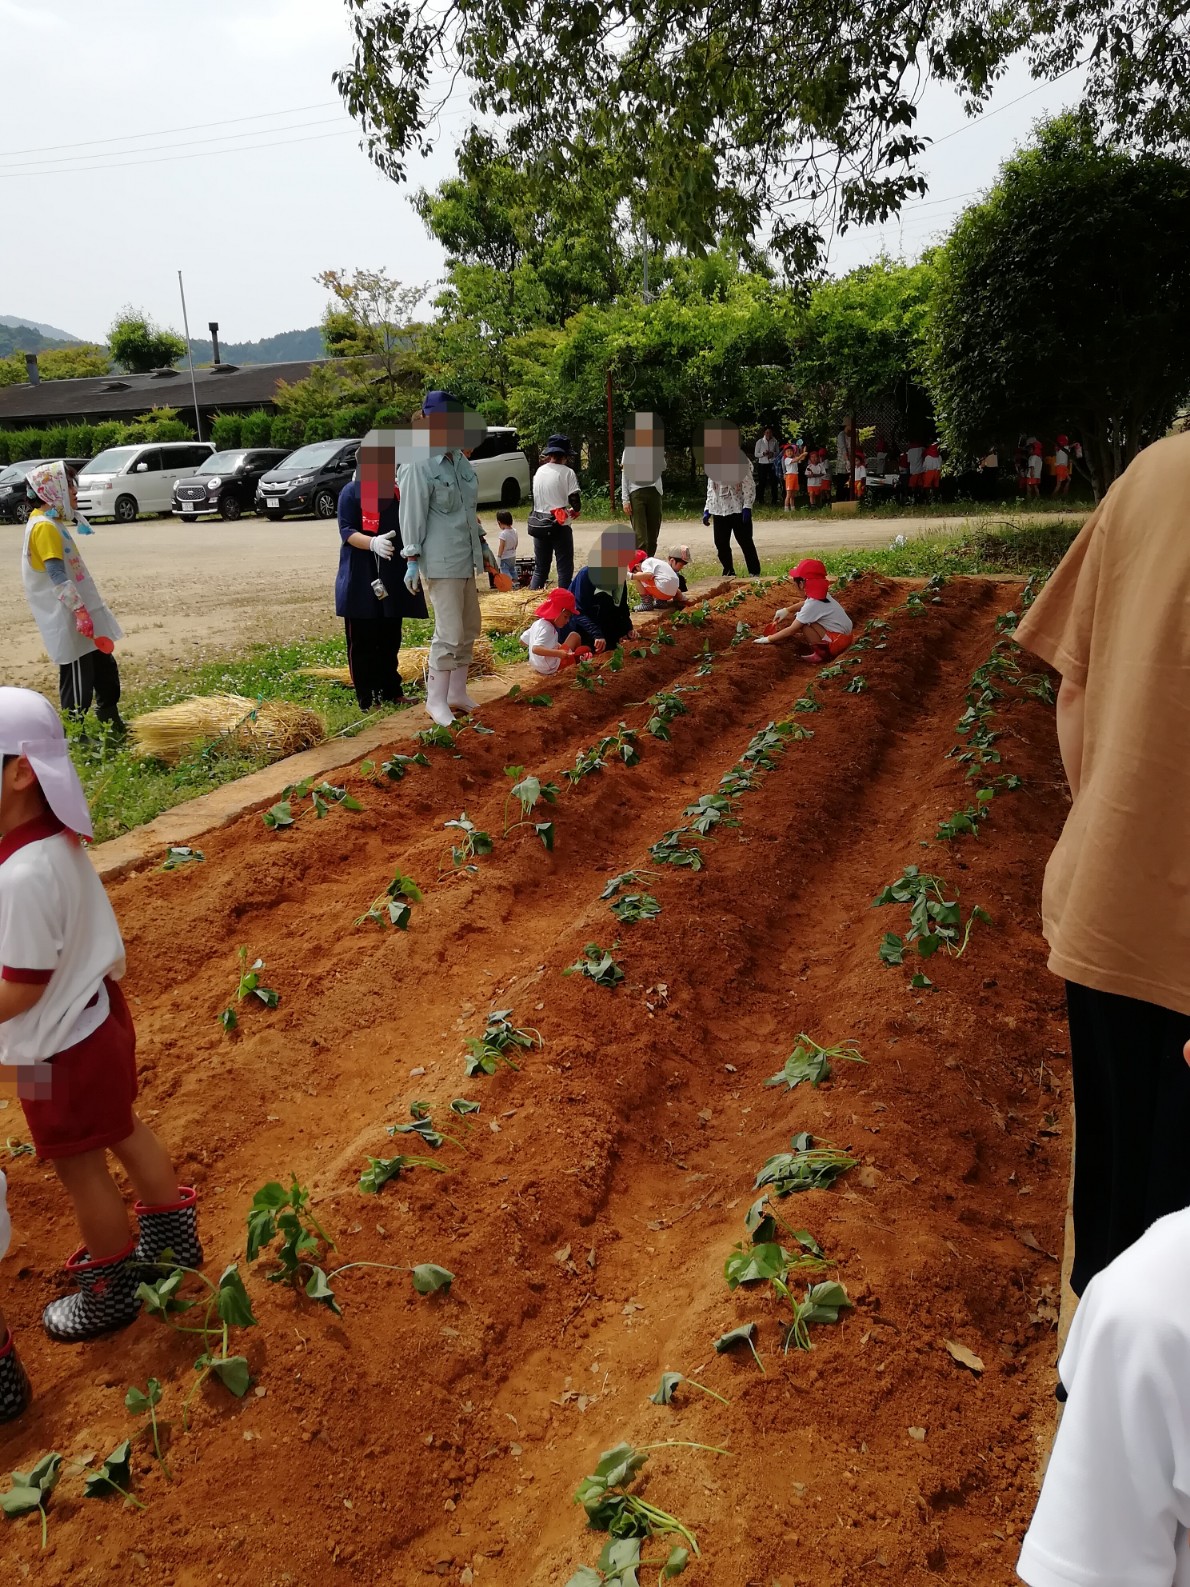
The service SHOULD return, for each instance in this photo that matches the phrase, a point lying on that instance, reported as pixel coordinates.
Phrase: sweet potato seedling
(708, 811)
(671, 1381)
(393, 906)
(857, 685)
(143, 1402)
(935, 921)
(437, 737)
(398, 766)
(745, 1334)
(965, 823)
(693, 617)
(517, 693)
(427, 1277)
(177, 856)
(30, 1490)
(321, 795)
(248, 986)
(471, 845)
(809, 1061)
(625, 879)
(762, 1220)
(597, 965)
(742, 631)
(610, 1507)
(621, 744)
(808, 701)
(632, 908)
(822, 1303)
(530, 791)
(114, 1476)
(706, 661)
(500, 1039)
(589, 675)
(381, 1169)
(284, 1214)
(621, 1561)
(805, 1167)
(667, 704)
(766, 1262)
(225, 1305)
(671, 850)
(422, 1125)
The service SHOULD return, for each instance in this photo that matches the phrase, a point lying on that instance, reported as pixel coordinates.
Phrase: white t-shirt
(507, 542)
(1034, 467)
(1115, 1505)
(542, 632)
(766, 449)
(931, 465)
(915, 456)
(662, 575)
(829, 613)
(1062, 458)
(553, 485)
(58, 929)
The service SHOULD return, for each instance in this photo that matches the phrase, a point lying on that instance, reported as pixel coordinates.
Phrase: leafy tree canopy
(713, 132)
(138, 345)
(1060, 300)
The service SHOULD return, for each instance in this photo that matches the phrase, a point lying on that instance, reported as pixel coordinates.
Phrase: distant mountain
(277, 349)
(57, 336)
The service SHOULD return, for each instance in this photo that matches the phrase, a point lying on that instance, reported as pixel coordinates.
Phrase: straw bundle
(411, 664)
(230, 723)
(508, 611)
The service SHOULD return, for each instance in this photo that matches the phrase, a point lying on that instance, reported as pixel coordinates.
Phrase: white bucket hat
(30, 726)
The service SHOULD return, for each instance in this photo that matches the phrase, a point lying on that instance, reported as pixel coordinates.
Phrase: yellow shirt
(45, 542)
(1115, 619)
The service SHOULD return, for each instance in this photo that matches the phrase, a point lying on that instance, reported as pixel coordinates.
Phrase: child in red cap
(561, 634)
(1033, 470)
(820, 622)
(66, 1030)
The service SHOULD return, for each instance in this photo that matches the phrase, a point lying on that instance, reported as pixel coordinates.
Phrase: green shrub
(226, 431)
(105, 435)
(255, 428)
(389, 418)
(286, 430)
(355, 422)
(5, 458)
(78, 440)
(322, 429)
(54, 441)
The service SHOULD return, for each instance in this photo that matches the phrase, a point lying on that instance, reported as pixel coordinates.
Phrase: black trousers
(1132, 1122)
(765, 478)
(556, 542)
(373, 645)
(724, 528)
(92, 677)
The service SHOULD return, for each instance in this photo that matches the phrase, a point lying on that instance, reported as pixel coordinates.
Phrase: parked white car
(501, 468)
(125, 481)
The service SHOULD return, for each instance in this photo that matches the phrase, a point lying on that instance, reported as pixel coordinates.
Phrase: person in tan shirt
(1114, 620)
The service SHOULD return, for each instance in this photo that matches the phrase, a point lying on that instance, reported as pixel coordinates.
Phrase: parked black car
(14, 506)
(226, 483)
(309, 480)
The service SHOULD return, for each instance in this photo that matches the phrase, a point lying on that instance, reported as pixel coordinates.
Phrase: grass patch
(124, 791)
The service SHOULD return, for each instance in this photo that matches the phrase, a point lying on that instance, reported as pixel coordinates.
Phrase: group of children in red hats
(67, 1039)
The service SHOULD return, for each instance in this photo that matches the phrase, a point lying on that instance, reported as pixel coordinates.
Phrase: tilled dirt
(603, 1186)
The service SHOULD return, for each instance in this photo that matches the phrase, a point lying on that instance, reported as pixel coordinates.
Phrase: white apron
(61, 638)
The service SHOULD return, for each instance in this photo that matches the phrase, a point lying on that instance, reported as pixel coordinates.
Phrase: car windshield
(221, 463)
(312, 456)
(18, 471)
(111, 461)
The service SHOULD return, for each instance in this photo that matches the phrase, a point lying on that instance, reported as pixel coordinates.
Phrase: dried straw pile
(229, 724)
(508, 611)
(412, 664)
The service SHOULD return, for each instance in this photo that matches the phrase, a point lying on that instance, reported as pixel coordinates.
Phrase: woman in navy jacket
(373, 624)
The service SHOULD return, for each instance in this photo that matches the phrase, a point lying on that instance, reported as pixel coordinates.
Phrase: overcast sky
(138, 138)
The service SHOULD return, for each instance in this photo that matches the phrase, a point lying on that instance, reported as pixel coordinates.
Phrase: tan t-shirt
(1115, 618)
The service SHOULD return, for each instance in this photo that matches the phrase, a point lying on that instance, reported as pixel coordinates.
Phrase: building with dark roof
(221, 388)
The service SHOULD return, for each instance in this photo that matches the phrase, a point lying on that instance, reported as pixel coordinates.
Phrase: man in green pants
(641, 468)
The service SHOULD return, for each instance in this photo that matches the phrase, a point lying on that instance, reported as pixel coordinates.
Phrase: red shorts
(92, 1089)
(833, 645)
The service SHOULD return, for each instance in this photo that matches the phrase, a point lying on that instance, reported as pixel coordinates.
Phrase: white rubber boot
(437, 709)
(456, 694)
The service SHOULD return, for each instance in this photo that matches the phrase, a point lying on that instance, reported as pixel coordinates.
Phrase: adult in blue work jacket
(369, 534)
(444, 548)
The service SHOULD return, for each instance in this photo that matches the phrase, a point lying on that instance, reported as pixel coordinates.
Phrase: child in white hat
(66, 1030)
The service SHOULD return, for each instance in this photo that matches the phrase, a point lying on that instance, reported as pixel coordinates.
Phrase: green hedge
(254, 429)
(319, 430)
(287, 430)
(354, 422)
(225, 431)
(88, 440)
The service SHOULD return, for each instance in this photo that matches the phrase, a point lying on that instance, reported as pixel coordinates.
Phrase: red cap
(1062, 441)
(1035, 449)
(637, 558)
(558, 603)
(813, 574)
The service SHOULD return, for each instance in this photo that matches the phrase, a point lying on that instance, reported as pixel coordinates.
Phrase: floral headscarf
(52, 484)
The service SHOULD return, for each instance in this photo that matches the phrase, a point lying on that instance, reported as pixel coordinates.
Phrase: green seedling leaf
(178, 856)
(545, 831)
(892, 949)
(486, 1053)
(857, 685)
(635, 907)
(115, 1476)
(587, 1576)
(665, 1389)
(745, 1334)
(671, 850)
(141, 1401)
(625, 879)
(919, 981)
(160, 1297)
(805, 1167)
(381, 1169)
(232, 1372)
(461, 1106)
(279, 815)
(676, 1563)
(16, 1148)
(231, 1299)
(428, 1278)
(318, 1288)
(399, 766)
(756, 1264)
(597, 965)
(437, 737)
(809, 1061)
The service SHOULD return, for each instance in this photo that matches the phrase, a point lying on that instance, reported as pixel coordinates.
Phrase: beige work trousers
(456, 622)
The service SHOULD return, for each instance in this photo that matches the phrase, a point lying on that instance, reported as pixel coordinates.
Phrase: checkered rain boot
(104, 1301)
(15, 1392)
(171, 1227)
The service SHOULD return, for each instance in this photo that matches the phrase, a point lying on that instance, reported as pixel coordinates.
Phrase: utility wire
(167, 159)
(71, 160)
(162, 132)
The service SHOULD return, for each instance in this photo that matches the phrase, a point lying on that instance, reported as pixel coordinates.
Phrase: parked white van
(125, 481)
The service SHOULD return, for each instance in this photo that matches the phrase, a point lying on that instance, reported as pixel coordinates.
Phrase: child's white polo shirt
(542, 632)
(829, 613)
(57, 930)
(1115, 1505)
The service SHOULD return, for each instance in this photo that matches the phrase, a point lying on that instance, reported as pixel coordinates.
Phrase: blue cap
(440, 402)
(558, 444)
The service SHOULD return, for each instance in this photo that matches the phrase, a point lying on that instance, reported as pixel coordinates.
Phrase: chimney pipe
(32, 373)
(213, 327)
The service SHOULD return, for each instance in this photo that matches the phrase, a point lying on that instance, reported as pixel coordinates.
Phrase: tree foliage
(138, 345)
(1060, 300)
(714, 134)
(368, 321)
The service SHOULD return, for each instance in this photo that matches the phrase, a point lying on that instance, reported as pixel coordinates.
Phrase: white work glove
(412, 577)
(780, 614)
(763, 640)
(382, 545)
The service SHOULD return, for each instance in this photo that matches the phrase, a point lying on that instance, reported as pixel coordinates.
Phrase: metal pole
(611, 456)
(190, 356)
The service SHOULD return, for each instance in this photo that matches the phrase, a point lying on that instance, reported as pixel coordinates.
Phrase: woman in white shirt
(556, 503)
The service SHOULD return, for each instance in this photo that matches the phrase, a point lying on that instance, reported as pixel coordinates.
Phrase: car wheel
(229, 508)
(125, 510)
(21, 510)
(510, 494)
(325, 504)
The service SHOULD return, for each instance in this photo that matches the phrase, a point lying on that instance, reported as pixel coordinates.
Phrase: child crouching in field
(66, 1030)
(819, 622)
(561, 634)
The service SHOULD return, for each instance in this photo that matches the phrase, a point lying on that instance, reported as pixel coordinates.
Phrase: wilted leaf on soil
(965, 1357)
